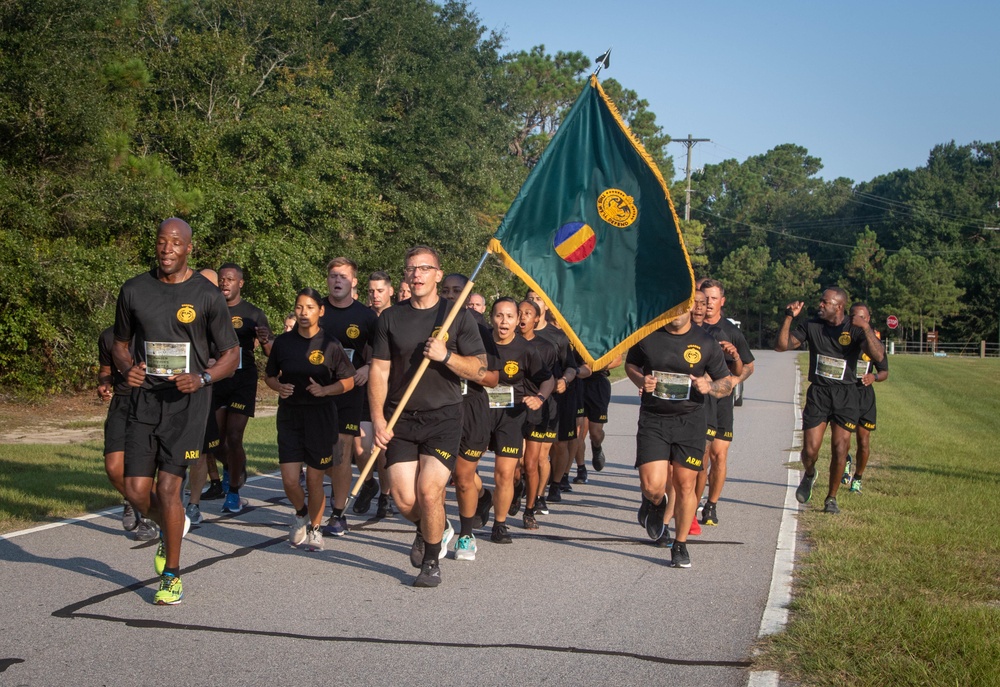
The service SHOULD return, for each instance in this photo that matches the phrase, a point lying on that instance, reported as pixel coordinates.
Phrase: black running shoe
(384, 509)
(598, 460)
(500, 535)
(555, 495)
(130, 520)
(430, 575)
(484, 507)
(654, 519)
(805, 489)
(644, 507)
(417, 551)
(515, 504)
(541, 506)
(564, 484)
(365, 495)
(213, 492)
(581, 475)
(708, 514)
(530, 523)
(830, 506)
(679, 557)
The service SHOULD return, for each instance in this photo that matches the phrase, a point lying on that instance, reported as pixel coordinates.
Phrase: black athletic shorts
(677, 438)
(566, 405)
(475, 425)
(710, 417)
(836, 403)
(418, 433)
(542, 425)
(166, 430)
(212, 437)
(114, 425)
(596, 398)
(724, 418)
(236, 395)
(866, 403)
(307, 434)
(366, 411)
(507, 431)
(349, 407)
(579, 391)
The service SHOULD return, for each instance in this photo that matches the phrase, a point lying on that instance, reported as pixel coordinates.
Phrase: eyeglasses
(423, 269)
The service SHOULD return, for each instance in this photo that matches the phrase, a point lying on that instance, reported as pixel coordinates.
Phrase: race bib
(165, 359)
(465, 387)
(863, 367)
(830, 368)
(350, 354)
(672, 386)
(501, 396)
(239, 366)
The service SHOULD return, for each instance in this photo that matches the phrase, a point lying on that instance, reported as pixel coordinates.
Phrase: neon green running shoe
(171, 590)
(856, 485)
(160, 559)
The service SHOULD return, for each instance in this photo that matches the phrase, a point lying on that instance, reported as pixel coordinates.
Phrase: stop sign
(892, 321)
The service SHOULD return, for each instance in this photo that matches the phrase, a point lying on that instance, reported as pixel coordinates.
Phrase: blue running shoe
(232, 504)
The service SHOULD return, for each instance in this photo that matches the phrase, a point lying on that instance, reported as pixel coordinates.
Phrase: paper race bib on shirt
(830, 368)
(165, 358)
(863, 367)
(501, 396)
(672, 386)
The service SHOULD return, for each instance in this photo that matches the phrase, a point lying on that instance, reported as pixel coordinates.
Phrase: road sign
(892, 321)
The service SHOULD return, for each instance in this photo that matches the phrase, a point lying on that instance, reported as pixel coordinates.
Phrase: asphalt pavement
(586, 599)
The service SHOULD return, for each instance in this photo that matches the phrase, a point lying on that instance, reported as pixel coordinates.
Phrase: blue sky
(868, 87)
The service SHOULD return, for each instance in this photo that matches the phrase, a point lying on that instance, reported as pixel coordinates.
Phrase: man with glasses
(422, 447)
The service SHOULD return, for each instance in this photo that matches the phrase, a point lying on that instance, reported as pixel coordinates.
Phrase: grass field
(903, 587)
(46, 483)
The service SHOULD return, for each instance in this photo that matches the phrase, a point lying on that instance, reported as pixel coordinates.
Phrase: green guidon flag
(594, 232)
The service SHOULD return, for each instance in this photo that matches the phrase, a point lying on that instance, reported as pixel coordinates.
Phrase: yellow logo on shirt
(693, 354)
(435, 333)
(316, 357)
(511, 368)
(186, 314)
(353, 332)
(237, 322)
(845, 338)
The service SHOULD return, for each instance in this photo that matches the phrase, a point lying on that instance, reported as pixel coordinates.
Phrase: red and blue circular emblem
(574, 241)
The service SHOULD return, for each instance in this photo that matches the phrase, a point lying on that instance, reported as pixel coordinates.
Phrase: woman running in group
(307, 369)
(525, 384)
(541, 428)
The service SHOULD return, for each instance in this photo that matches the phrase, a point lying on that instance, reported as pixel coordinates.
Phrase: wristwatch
(206, 379)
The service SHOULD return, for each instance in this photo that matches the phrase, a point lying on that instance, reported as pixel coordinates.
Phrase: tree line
(289, 131)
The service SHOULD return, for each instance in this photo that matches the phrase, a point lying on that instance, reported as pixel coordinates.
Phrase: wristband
(541, 397)
(789, 313)
(446, 358)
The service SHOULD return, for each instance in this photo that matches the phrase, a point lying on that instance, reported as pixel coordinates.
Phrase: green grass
(46, 483)
(903, 587)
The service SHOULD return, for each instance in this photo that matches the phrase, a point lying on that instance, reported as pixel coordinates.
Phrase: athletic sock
(234, 491)
(432, 552)
(176, 572)
(466, 526)
(337, 512)
(303, 512)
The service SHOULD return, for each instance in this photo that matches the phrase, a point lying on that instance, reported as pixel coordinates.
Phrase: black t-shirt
(173, 326)
(400, 336)
(105, 342)
(353, 327)
(492, 362)
(297, 359)
(521, 368)
(724, 330)
(246, 318)
(565, 355)
(694, 352)
(865, 365)
(833, 348)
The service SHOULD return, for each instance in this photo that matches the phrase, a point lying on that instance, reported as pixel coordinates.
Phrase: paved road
(584, 600)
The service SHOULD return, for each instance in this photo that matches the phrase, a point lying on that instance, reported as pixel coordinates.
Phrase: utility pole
(689, 142)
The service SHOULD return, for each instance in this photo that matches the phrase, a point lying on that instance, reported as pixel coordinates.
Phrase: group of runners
(180, 371)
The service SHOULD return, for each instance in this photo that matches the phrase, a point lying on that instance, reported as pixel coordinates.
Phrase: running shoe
(129, 519)
(805, 489)
(695, 529)
(187, 526)
(446, 537)
(830, 506)
(335, 526)
(213, 492)
(430, 575)
(856, 485)
(541, 506)
(314, 539)
(160, 558)
(679, 557)
(665, 541)
(171, 590)
(146, 530)
(417, 550)
(515, 504)
(465, 548)
(555, 495)
(581, 475)
(530, 523)
(708, 515)
(384, 509)
(644, 507)
(298, 532)
(846, 479)
(564, 484)
(193, 511)
(654, 519)
(232, 504)
(365, 495)
(483, 508)
(598, 460)
(500, 534)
